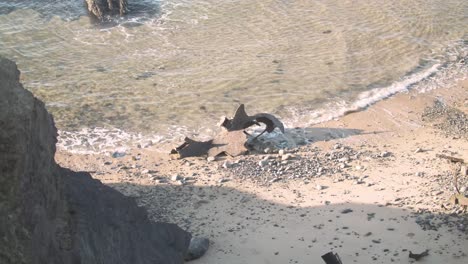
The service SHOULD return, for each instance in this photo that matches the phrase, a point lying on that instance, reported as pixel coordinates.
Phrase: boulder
(104, 8)
(49, 214)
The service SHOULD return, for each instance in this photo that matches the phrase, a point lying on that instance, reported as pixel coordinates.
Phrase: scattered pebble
(346, 211)
(176, 177)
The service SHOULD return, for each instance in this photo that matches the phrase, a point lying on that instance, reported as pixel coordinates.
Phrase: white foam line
(370, 97)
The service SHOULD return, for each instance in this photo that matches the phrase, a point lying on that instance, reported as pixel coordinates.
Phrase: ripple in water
(179, 65)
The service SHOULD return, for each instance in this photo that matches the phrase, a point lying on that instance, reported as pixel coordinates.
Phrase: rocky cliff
(50, 214)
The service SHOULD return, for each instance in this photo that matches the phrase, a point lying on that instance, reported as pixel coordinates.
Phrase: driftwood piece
(332, 258)
(419, 256)
(232, 139)
(450, 158)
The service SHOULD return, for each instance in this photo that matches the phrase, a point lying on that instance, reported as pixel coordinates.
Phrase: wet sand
(369, 187)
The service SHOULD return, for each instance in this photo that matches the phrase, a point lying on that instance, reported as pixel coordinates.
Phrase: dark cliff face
(30, 187)
(53, 215)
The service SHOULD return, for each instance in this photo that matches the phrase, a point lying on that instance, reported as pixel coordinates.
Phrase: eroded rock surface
(103, 8)
(50, 214)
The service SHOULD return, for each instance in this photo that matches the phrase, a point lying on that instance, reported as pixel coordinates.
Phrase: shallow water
(178, 67)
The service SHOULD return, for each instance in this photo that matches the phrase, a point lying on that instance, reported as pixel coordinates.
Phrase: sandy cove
(376, 195)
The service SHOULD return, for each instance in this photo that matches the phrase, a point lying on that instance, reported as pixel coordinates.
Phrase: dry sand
(382, 203)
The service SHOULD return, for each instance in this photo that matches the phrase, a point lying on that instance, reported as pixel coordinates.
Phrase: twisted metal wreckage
(232, 140)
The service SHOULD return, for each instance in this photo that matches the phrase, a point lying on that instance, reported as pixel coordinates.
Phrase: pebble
(161, 181)
(281, 152)
(223, 180)
(227, 164)
(175, 177)
(147, 144)
(319, 187)
(418, 150)
(118, 154)
(263, 163)
(464, 171)
(286, 157)
(385, 154)
(463, 189)
(197, 248)
(210, 159)
(347, 210)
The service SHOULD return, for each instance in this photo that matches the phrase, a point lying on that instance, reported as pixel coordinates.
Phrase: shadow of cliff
(245, 228)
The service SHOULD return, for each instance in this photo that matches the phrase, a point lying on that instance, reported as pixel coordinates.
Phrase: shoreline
(375, 207)
(102, 140)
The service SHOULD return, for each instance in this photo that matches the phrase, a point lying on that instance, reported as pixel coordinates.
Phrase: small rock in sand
(118, 154)
(211, 159)
(418, 150)
(286, 157)
(263, 163)
(227, 164)
(175, 177)
(197, 248)
(385, 154)
(223, 180)
(464, 171)
(347, 210)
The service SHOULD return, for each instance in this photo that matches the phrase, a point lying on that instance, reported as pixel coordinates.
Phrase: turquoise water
(175, 67)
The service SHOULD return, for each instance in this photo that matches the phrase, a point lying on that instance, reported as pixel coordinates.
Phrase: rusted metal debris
(232, 138)
(332, 258)
(418, 256)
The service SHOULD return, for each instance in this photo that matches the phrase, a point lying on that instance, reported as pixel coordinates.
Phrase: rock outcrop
(102, 8)
(52, 215)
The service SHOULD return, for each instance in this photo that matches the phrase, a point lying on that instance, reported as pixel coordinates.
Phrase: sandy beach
(368, 186)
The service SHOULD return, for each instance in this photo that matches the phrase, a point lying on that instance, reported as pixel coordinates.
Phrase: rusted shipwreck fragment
(232, 138)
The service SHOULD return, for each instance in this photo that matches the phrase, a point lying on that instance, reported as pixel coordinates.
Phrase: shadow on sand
(245, 228)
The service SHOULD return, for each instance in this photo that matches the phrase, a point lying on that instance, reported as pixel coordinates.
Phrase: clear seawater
(173, 67)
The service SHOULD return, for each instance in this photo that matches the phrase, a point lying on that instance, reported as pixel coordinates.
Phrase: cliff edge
(49, 214)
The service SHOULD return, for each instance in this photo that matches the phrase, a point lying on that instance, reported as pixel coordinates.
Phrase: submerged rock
(102, 8)
(49, 214)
